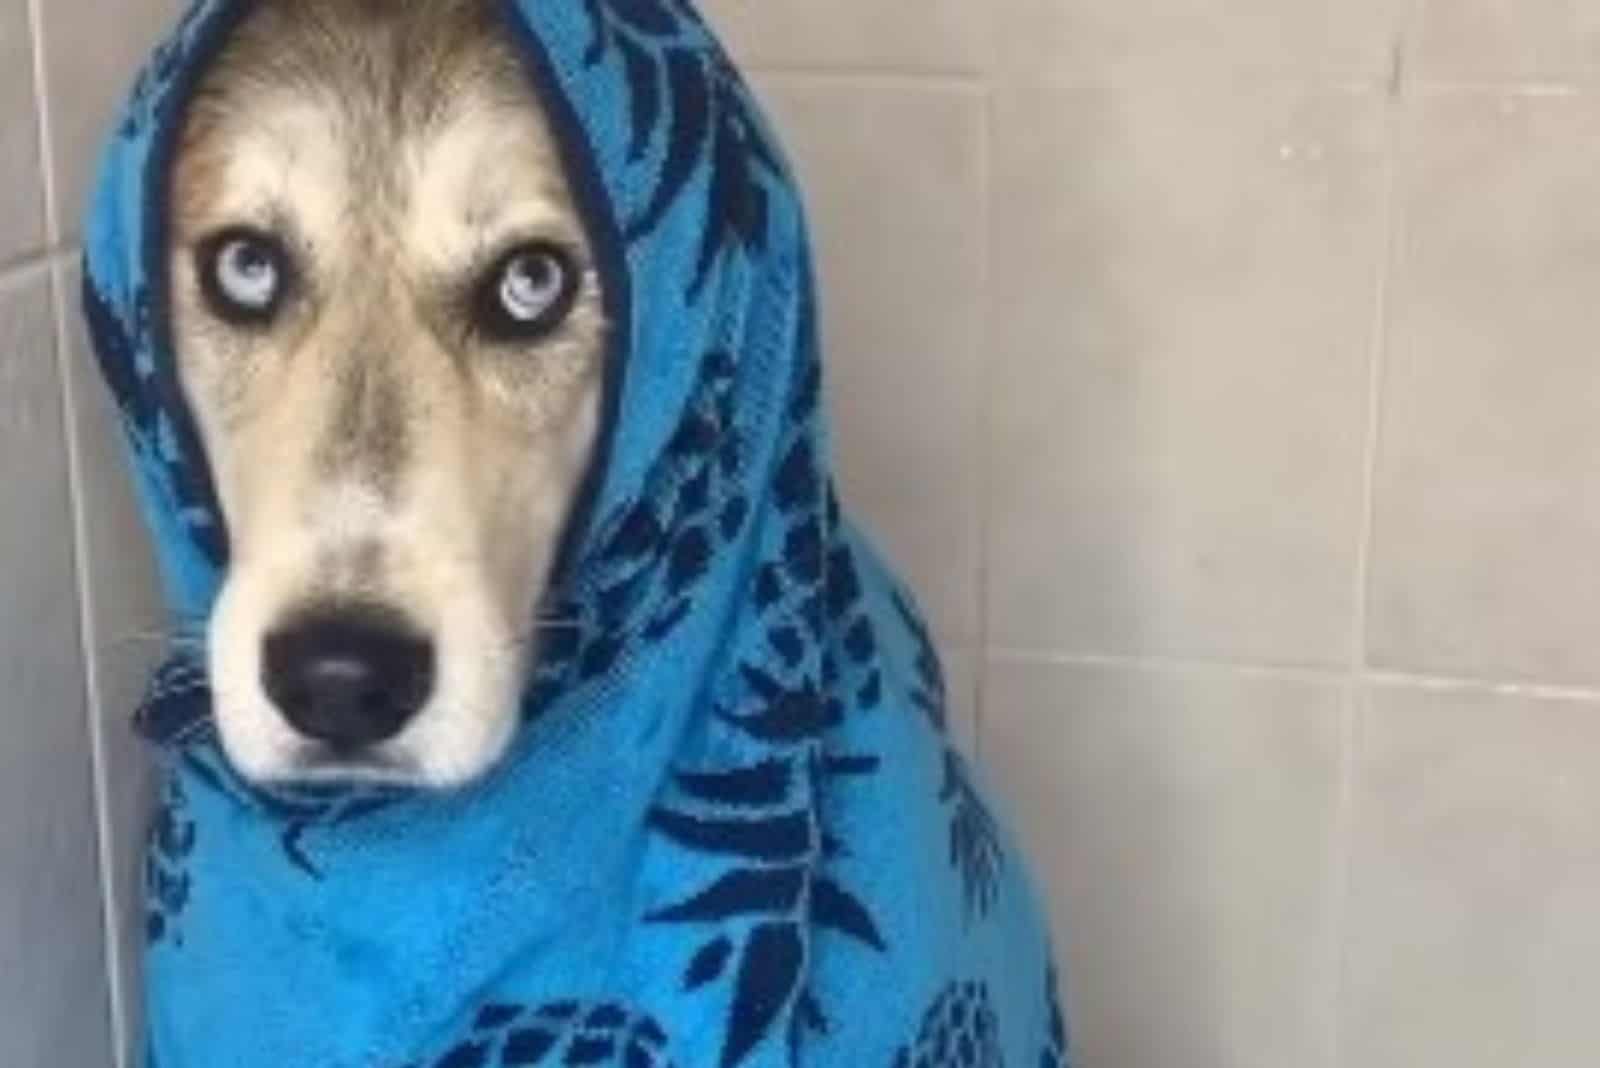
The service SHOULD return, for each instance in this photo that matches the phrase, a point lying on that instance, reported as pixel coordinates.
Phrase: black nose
(350, 678)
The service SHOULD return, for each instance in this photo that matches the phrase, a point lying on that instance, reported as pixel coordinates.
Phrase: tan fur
(369, 445)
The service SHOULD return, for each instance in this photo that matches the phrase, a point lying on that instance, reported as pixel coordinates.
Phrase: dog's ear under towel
(734, 830)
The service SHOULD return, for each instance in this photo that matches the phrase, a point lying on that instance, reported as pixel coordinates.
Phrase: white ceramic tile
(1549, 41)
(125, 624)
(1096, 42)
(92, 50)
(892, 177)
(1184, 298)
(53, 1001)
(1187, 826)
(22, 228)
(1488, 513)
(1475, 941)
(897, 35)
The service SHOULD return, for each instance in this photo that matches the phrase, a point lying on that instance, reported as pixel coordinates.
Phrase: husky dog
(389, 328)
(551, 708)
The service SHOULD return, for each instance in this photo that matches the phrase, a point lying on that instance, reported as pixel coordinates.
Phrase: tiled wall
(1228, 375)
(1223, 374)
(78, 614)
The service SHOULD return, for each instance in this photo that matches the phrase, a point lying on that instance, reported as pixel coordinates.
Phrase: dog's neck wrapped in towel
(733, 831)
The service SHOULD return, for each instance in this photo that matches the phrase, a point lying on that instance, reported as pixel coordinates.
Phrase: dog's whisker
(171, 639)
(517, 641)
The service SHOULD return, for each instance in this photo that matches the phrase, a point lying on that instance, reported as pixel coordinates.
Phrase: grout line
(1327, 676)
(982, 358)
(1171, 665)
(865, 78)
(38, 256)
(1353, 731)
(1396, 124)
(22, 274)
(1221, 84)
(1397, 78)
(1391, 226)
(111, 941)
(1510, 87)
(23, 262)
(1531, 691)
(46, 125)
(87, 613)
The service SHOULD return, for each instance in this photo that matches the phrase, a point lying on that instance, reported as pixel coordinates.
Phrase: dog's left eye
(243, 274)
(527, 294)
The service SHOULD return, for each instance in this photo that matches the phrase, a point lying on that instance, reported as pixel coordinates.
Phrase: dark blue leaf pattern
(1055, 1045)
(167, 880)
(809, 1019)
(687, 96)
(662, 626)
(743, 892)
(491, 1017)
(645, 88)
(175, 712)
(639, 534)
(689, 89)
(784, 900)
(788, 643)
(975, 849)
(467, 1055)
(559, 1035)
(766, 783)
(836, 910)
(767, 819)
(974, 838)
(690, 558)
(930, 691)
(708, 964)
(648, 16)
(775, 838)
(648, 560)
(151, 427)
(792, 717)
(959, 1031)
(803, 554)
(768, 979)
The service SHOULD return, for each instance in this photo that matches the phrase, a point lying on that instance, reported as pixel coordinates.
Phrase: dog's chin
(438, 753)
(461, 735)
(458, 737)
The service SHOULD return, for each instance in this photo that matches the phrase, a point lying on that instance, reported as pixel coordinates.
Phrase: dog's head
(390, 331)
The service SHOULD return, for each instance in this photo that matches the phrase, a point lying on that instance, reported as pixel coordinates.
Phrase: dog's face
(390, 330)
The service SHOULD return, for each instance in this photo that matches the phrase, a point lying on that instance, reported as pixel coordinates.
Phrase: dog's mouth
(359, 690)
(315, 765)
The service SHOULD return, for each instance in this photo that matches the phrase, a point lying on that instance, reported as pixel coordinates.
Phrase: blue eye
(243, 274)
(527, 294)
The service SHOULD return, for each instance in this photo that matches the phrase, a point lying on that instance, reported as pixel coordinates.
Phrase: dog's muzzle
(349, 678)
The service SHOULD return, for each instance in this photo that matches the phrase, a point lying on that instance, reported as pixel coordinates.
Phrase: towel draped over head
(733, 831)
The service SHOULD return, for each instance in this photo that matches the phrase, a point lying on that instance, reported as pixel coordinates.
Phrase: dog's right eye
(527, 294)
(243, 274)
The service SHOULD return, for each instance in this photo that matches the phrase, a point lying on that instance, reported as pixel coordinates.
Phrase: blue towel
(734, 830)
